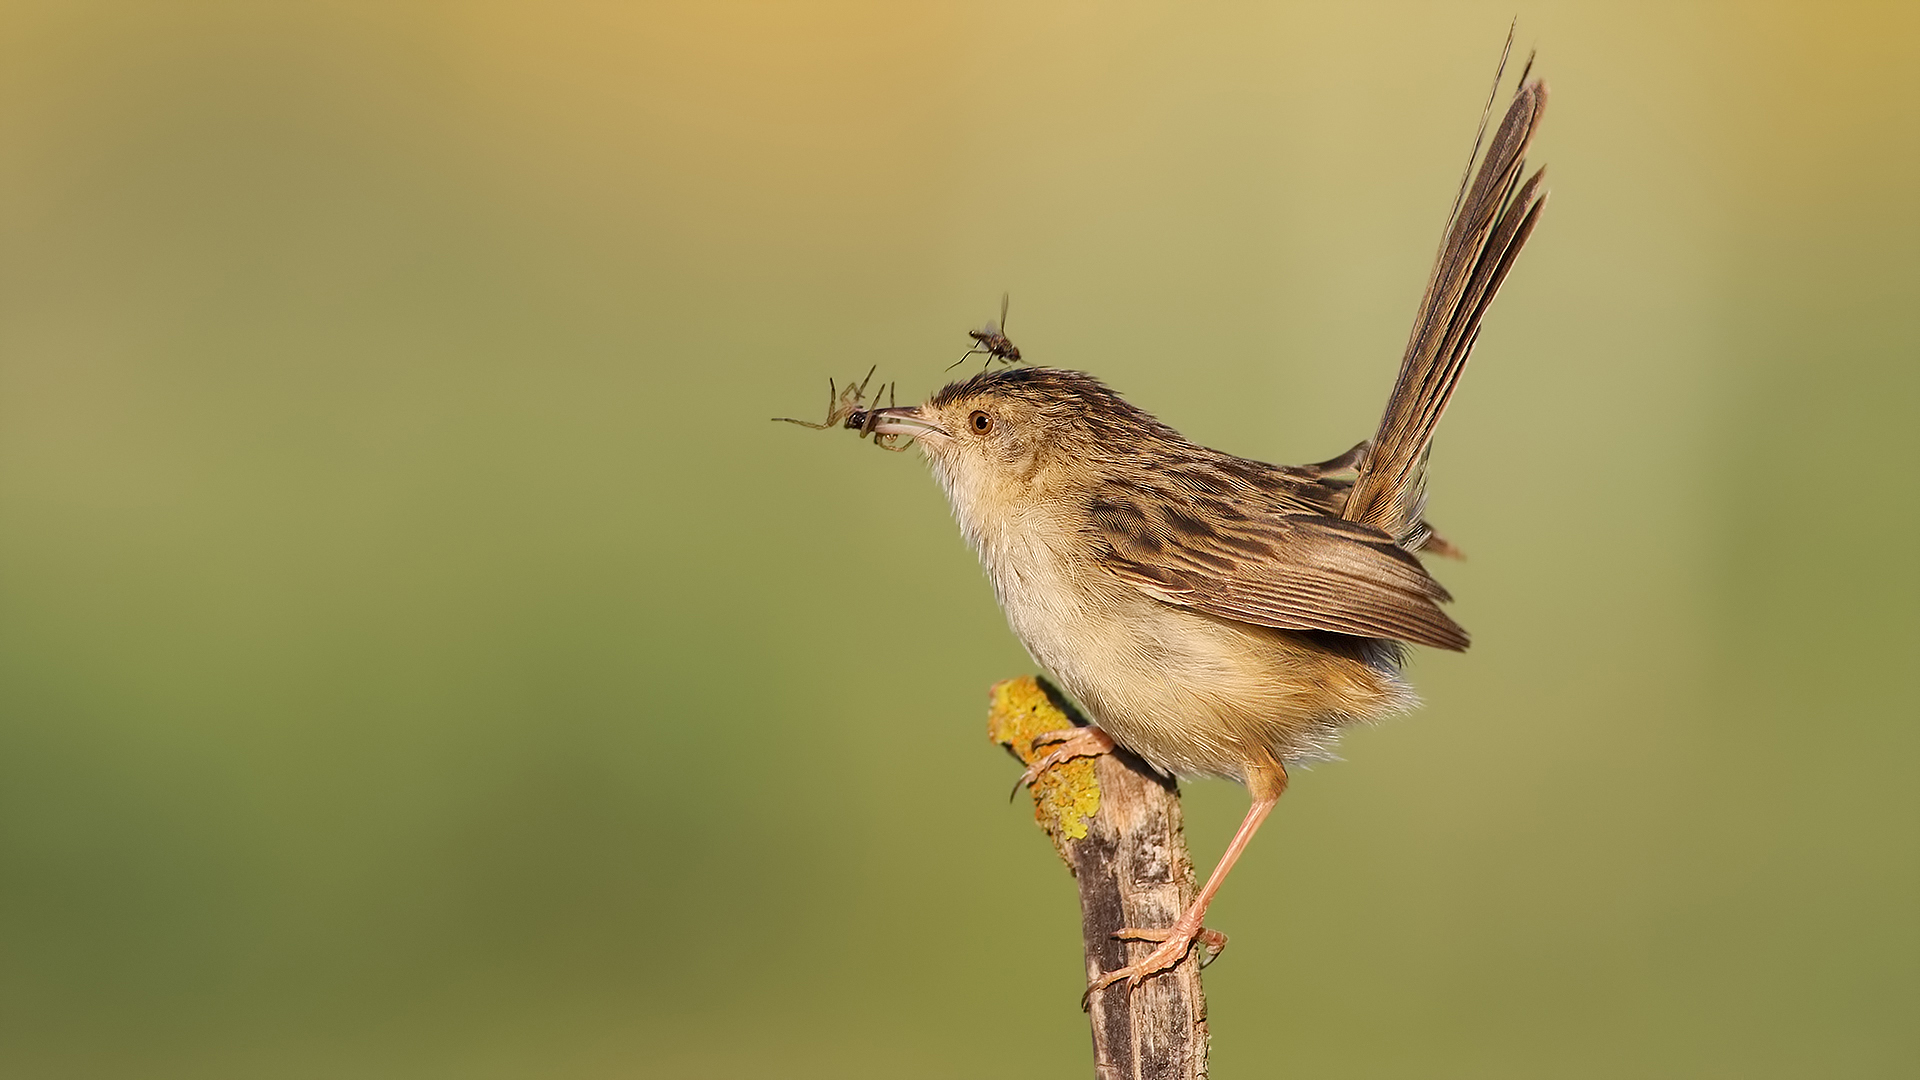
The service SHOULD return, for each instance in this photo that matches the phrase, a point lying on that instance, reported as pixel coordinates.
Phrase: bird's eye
(982, 423)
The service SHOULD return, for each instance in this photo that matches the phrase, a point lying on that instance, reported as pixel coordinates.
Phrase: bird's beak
(907, 420)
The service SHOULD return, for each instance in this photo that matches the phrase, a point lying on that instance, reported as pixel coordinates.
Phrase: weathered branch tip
(1118, 827)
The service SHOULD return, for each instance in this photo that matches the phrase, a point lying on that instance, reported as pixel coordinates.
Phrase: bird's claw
(1175, 943)
(1212, 941)
(1067, 744)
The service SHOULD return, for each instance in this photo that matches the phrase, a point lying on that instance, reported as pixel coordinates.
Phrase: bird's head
(1016, 438)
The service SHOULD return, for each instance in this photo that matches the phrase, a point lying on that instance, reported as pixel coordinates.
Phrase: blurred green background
(419, 656)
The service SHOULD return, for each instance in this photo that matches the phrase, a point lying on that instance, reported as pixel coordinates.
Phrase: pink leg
(1265, 784)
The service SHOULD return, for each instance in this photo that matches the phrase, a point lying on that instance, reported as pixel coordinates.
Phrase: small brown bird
(991, 339)
(1214, 615)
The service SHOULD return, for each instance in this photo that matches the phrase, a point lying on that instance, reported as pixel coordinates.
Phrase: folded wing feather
(1288, 571)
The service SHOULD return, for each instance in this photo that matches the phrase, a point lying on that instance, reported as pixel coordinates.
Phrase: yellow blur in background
(419, 656)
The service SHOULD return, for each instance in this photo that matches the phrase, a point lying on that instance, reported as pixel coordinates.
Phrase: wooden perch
(1118, 827)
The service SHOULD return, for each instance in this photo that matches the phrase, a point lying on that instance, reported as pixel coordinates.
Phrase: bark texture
(1119, 829)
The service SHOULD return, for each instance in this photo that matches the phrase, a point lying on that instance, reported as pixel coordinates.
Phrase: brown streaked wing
(1323, 487)
(1287, 571)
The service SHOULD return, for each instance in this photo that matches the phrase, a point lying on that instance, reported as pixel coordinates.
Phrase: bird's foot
(1213, 941)
(1175, 943)
(1066, 744)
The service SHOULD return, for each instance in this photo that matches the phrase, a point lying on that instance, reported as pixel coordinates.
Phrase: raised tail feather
(1490, 222)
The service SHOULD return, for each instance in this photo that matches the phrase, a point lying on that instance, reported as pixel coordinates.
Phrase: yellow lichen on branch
(1066, 795)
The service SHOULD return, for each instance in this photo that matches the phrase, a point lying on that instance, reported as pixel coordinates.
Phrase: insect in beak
(905, 420)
